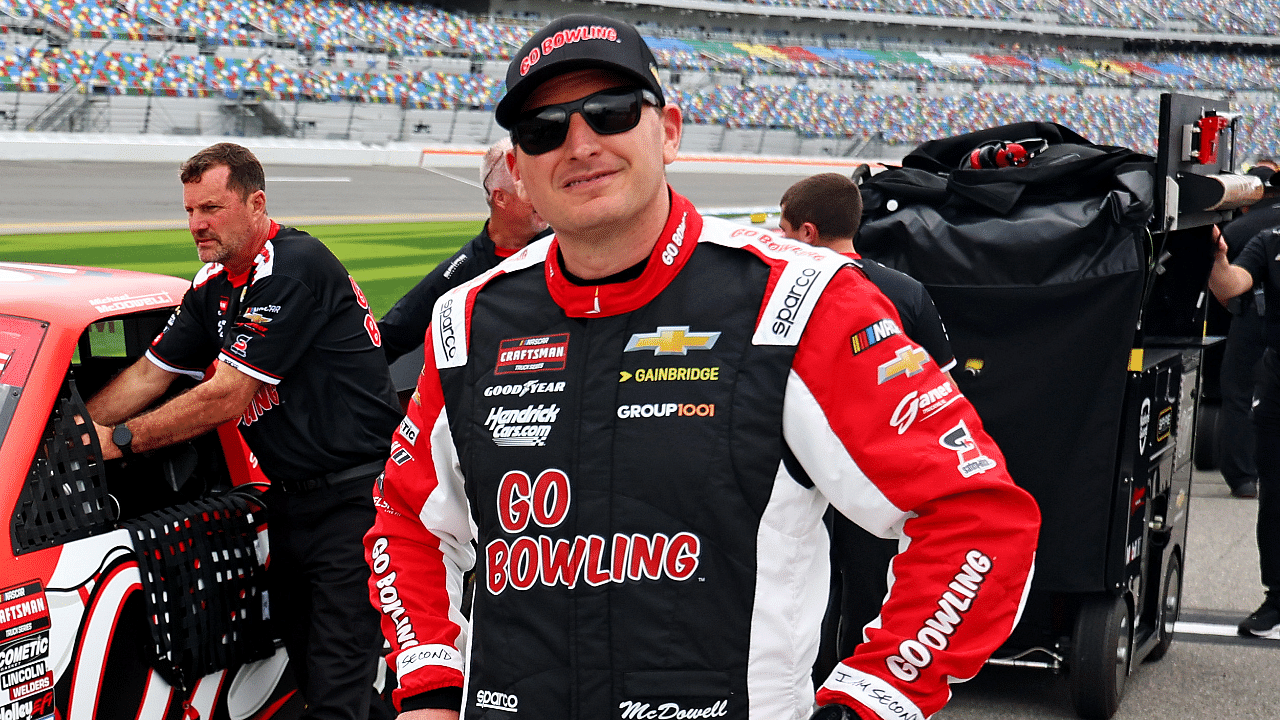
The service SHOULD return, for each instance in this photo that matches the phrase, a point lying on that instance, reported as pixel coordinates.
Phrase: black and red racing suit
(644, 466)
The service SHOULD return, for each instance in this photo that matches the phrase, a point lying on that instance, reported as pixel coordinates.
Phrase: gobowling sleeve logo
(540, 353)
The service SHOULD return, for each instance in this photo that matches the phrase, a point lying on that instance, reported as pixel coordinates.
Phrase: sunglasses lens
(543, 131)
(609, 113)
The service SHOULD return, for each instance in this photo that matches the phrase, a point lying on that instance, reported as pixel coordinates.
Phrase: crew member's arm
(129, 392)
(892, 443)
(195, 412)
(1227, 280)
(419, 548)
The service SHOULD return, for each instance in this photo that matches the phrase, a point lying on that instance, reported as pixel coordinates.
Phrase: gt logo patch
(907, 361)
(972, 461)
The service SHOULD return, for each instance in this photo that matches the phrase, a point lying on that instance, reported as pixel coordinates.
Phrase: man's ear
(672, 129)
(515, 175)
(258, 202)
(810, 233)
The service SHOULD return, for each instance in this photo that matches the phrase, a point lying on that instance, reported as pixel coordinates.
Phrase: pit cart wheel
(1170, 607)
(1208, 436)
(1099, 657)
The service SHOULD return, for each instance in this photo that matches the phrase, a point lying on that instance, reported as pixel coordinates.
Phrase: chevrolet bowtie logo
(672, 340)
(908, 361)
(255, 317)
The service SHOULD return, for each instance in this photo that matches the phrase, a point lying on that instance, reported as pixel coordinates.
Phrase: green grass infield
(386, 260)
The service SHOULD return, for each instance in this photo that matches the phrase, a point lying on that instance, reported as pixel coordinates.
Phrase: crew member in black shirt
(1260, 261)
(825, 210)
(512, 224)
(295, 356)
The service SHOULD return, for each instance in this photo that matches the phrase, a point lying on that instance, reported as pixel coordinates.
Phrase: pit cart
(1073, 290)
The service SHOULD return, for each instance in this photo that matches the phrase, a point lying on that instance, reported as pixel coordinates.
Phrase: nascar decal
(527, 427)
(524, 561)
(116, 303)
(673, 374)
(672, 340)
(532, 354)
(23, 610)
(907, 361)
(935, 634)
(914, 405)
(26, 677)
(872, 334)
(972, 461)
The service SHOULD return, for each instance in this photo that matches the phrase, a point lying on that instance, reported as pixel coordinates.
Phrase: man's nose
(581, 139)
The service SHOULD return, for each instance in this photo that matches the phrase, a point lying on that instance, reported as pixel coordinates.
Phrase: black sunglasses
(607, 112)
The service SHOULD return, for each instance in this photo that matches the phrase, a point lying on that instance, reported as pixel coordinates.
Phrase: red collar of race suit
(671, 252)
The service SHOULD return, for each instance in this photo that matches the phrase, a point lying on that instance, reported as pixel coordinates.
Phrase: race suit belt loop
(368, 469)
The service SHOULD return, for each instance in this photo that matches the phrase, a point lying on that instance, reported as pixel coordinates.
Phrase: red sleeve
(420, 546)
(894, 445)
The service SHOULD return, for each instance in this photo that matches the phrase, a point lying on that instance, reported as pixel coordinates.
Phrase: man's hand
(109, 449)
(429, 714)
(1226, 280)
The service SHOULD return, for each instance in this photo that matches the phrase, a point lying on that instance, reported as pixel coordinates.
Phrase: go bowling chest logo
(525, 561)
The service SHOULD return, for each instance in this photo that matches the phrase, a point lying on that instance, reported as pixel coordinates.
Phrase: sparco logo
(566, 37)
(914, 404)
(448, 341)
(521, 428)
(533, 386)
(497, 701)
(786, 317)
(632, 710)
(525, 561)
(916, 653)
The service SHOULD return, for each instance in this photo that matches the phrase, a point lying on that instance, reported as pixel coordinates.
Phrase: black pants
(320, 598)
(1239, 378)
(1266, 418)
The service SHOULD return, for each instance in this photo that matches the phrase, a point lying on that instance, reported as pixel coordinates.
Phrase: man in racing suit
(641, 421)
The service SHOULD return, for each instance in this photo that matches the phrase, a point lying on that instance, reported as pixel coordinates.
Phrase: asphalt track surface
(1208, 674)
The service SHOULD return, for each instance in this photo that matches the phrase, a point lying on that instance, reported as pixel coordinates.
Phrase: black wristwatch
(122, 436)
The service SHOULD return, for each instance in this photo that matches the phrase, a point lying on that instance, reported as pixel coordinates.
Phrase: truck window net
(65, 495)
(203, 587)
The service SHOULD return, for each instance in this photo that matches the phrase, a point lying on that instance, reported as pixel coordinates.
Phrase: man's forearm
(193, 413)
(1227, 281)
(129, 392)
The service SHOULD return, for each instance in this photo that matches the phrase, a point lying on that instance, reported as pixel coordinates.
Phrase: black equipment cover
(1038, 273)
(203, 587)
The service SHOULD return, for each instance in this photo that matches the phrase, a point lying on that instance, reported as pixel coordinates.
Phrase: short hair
(245, 177)
(493, 169)
(831, 201)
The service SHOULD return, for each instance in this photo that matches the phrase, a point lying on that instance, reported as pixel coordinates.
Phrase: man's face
(597, 182)
(221, 222)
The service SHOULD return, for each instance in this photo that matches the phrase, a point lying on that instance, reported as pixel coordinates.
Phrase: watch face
(121, 435)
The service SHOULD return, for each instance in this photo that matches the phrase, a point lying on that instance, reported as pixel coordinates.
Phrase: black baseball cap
(577, 42)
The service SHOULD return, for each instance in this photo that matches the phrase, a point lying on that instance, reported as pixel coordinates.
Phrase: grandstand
(846, 77)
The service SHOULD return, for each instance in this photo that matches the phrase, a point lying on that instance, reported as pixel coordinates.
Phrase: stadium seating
(378, 53)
